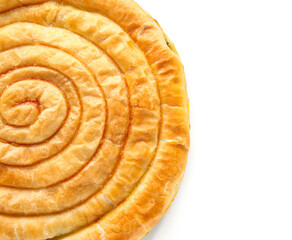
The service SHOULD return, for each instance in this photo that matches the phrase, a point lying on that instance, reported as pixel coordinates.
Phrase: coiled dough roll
(94, 122)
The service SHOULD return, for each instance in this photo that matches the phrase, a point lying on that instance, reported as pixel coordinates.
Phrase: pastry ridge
(94, 120)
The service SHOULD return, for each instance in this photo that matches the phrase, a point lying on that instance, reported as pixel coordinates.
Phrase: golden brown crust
(94, 127)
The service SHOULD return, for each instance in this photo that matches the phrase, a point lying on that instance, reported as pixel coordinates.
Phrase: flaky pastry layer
(94, 126)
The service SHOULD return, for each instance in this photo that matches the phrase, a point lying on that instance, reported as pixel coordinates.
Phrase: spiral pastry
(94, 122)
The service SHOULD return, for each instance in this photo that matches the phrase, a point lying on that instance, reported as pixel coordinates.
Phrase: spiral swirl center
(38, 105)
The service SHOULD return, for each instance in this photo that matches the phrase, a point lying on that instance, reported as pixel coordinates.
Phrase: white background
(238, 61)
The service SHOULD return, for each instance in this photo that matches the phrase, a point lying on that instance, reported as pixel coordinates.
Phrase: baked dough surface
(94, 127)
